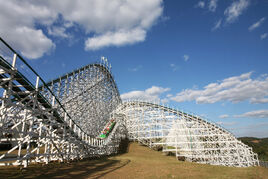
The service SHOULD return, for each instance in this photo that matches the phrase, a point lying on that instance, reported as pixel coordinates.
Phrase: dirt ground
(138, 162)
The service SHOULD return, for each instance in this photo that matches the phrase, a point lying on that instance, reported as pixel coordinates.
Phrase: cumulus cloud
(105, 23)
(256, 24)
(151, 94)
(263, 36)
(217, 25)
(119, 38)
(254, 114)
(18, 19)
(259, 100)
(58, 32)
(164, 101)
(124, 22)
(212, 5)
(200, 4)
(234, 89)
(186, 57)
(235, 10)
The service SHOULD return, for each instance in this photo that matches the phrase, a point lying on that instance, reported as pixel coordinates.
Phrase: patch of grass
(171, 147)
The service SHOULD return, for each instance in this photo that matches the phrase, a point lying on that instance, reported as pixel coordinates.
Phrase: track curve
(62, 120)
(186, 136)
(58, 120)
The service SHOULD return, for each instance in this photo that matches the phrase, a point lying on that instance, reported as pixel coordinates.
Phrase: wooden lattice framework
(61, 120)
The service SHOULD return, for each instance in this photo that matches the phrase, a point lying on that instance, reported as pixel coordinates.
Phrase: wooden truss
(59, 120)
(62, 119)
(187, 136)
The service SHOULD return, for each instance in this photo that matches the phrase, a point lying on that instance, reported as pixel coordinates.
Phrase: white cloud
(217, 25)
(114, 23)
(150, 94)
(155, 90)
(235, 10)
(102, 16)
(200, 4)
(234, 89)
(263, 36)
(212, 5)
(58, 32)
(18, 20)
(117, 22)
(224, 116)
(259, 100)
(32, 43)
(254, 114)
(119, 38)
(186, 57)
(169, 95)
(164, 101)
(256, 24)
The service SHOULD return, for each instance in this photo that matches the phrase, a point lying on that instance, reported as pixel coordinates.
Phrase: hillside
(259, 145)
(138, 162)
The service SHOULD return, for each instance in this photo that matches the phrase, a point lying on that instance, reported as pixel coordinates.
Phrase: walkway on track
(139, 162)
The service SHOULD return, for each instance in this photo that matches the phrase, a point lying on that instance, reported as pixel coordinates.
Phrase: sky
(209, 58)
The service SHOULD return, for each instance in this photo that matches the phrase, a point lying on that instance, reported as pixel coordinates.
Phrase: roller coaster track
(186, 136)
(61, 120)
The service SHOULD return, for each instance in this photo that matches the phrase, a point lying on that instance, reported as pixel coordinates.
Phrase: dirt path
(139, 162)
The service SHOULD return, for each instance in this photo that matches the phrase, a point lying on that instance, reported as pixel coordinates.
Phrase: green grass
(171, 147)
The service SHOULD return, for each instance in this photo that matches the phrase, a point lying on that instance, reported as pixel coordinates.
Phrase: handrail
(44, 83)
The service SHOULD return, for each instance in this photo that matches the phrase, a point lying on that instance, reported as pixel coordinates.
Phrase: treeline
(259, 145)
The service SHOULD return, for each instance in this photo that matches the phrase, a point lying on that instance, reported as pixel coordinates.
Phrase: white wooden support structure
(61, 120)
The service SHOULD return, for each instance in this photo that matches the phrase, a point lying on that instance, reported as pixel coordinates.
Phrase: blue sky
(206, 57)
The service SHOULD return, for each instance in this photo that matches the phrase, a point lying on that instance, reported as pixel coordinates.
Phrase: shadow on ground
(87, 168)
(81, 169)
(139, 162)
